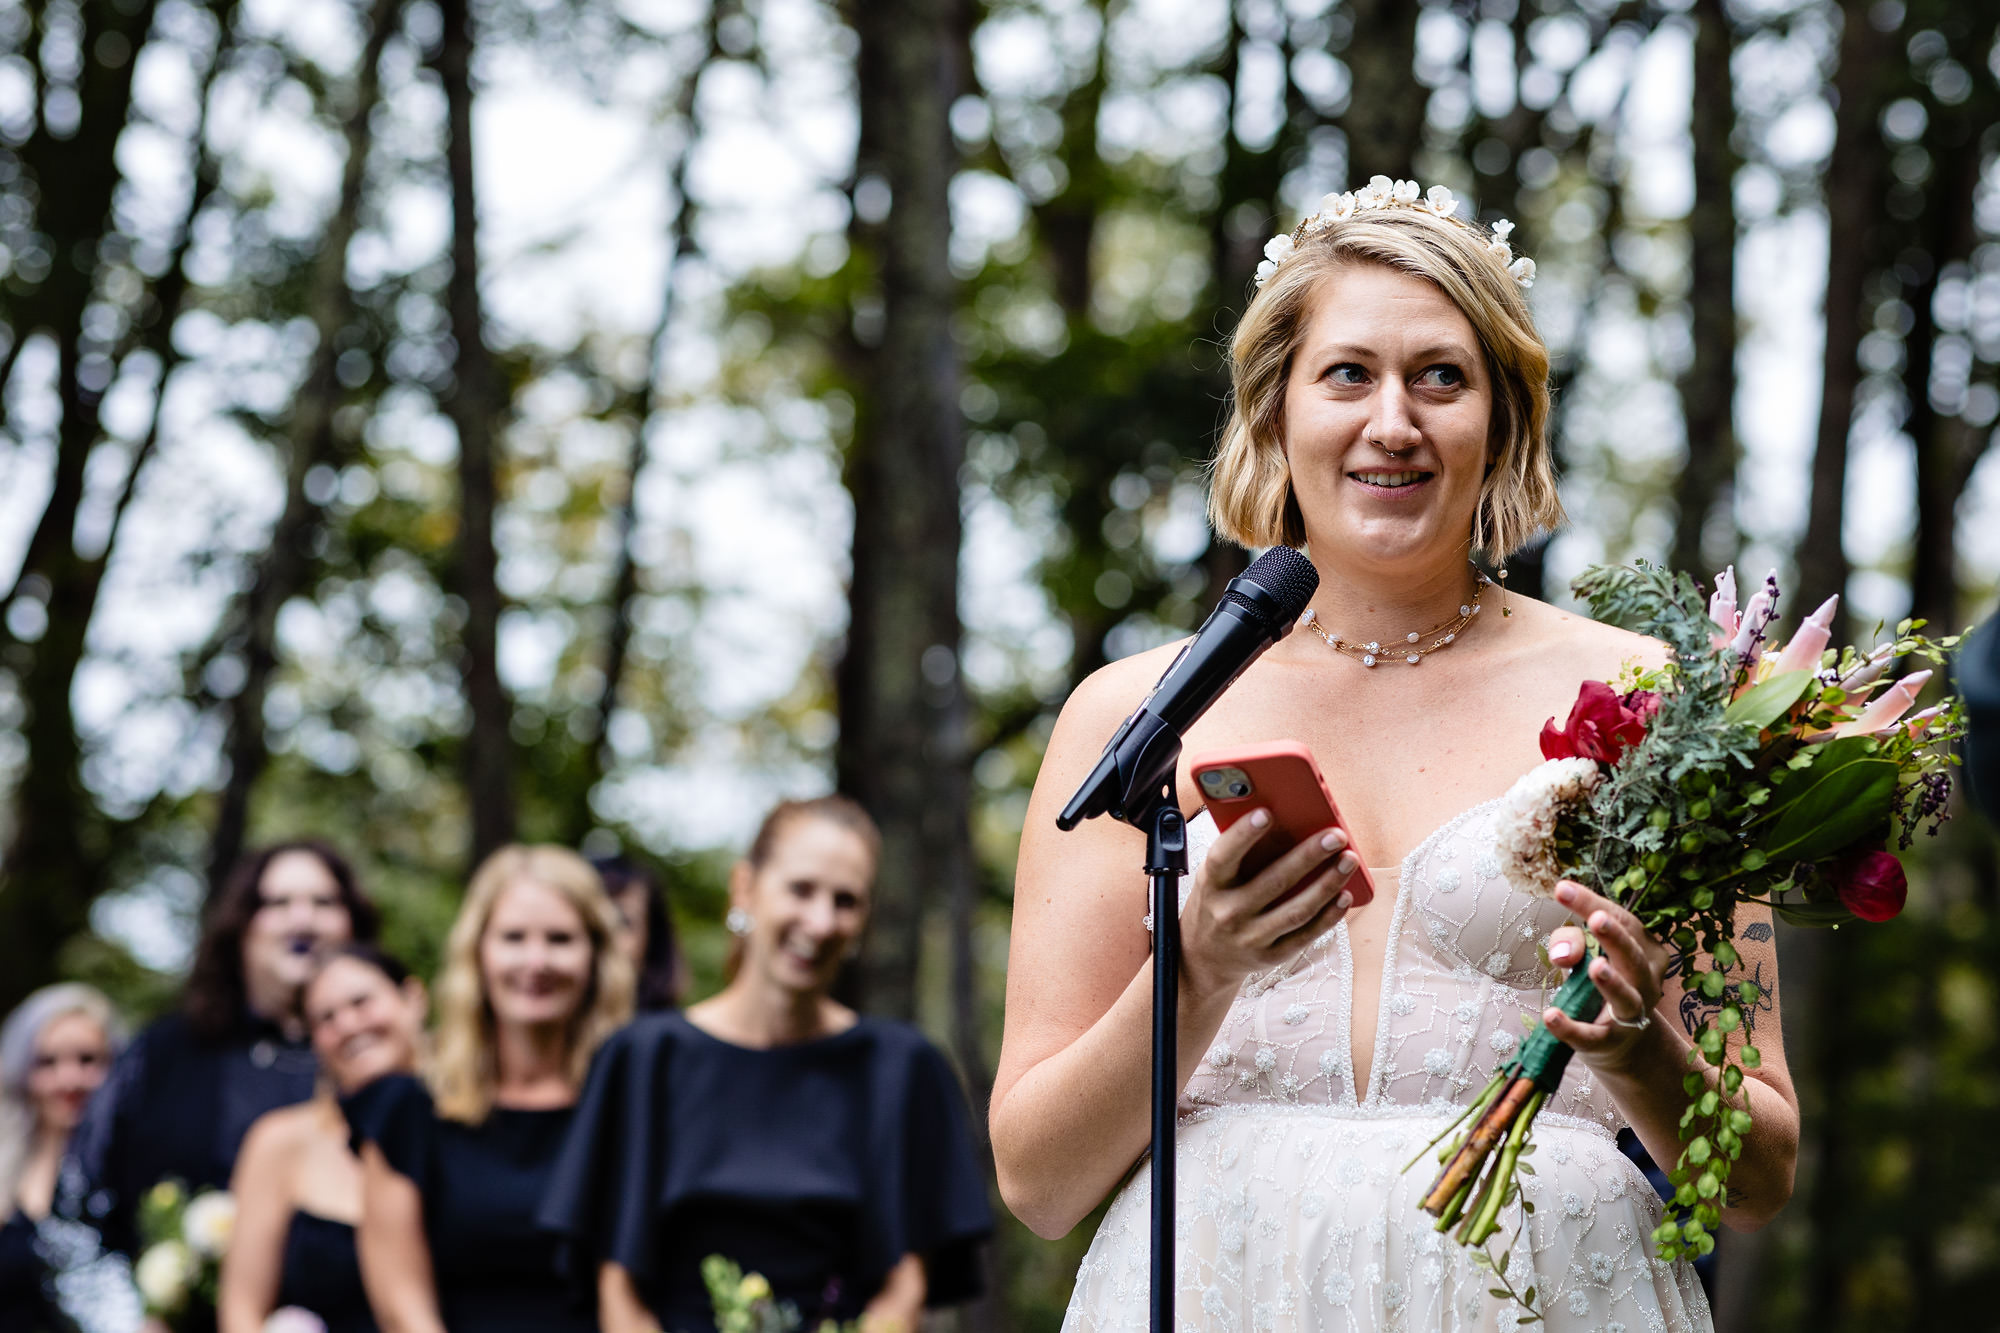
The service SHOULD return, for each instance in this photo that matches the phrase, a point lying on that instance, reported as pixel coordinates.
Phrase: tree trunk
(1384, 121)
(1705, 493)
(281, 570)
(1854, 183)
(58, 847)
(475, 403)
(903, 726)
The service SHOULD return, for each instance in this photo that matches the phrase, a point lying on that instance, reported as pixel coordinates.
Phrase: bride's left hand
(1630, 974)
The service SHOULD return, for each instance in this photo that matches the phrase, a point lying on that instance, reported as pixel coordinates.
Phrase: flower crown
(1381, 192)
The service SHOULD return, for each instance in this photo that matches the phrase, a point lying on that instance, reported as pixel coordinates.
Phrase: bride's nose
(1393, 424)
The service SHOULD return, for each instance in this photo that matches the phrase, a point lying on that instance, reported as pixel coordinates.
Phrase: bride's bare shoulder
(1595, 650)
(1108, 695)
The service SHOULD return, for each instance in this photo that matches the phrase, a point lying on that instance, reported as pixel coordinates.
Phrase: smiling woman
(1390, 417)
(533, 983)
(773, 1125)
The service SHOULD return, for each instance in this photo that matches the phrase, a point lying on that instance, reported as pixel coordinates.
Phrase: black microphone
(1259, 608)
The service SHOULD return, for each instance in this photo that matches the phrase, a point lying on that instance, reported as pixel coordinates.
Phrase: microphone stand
(1166, 862)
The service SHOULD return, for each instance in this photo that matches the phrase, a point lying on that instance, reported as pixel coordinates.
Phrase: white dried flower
(1264, 272)
(165, 1274)
(208, 1223)
(1440, 200)
(1502, 229)
(1407, 192)
(1278, 249)
(1523, 271)
(1525, 827)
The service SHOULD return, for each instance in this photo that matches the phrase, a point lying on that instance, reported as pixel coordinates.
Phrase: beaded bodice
(1463, 964)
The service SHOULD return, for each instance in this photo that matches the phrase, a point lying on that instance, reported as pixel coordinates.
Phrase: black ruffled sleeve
(603, 1197)
(931, 1196)
(396, 1115)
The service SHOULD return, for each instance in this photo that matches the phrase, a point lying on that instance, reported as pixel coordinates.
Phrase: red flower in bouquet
(1601, 726)
(1870, 884)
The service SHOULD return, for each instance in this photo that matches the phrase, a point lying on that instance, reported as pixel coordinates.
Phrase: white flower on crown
(1383, 192)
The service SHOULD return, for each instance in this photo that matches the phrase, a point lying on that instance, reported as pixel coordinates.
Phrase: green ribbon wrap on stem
(1542, 1056)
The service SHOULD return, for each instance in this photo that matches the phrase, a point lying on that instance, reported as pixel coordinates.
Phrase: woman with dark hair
(183, 1095)
(647, 934)
(297, 1181)
(773, 1125)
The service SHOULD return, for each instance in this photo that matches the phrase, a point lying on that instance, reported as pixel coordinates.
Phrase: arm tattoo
(1697, 1009)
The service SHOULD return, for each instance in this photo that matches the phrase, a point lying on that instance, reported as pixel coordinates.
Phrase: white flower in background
(1440, 200)
(1525, 827)
(165, 1274)
(294, 1319)
(208, 1222)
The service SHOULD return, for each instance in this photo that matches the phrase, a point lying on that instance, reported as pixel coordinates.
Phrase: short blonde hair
(464, 1072)
(1250, 497)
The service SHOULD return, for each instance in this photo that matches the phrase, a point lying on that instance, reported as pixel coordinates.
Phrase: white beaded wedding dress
(1294, 1213)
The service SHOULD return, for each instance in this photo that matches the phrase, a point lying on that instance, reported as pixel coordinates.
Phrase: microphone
(1258, 608)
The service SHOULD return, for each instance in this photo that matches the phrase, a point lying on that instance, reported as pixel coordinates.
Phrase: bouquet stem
(1501, 1118)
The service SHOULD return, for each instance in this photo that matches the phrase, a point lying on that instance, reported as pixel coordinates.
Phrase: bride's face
(1387, 363)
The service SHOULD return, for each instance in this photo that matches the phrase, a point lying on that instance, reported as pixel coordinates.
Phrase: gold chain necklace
(1415, 646)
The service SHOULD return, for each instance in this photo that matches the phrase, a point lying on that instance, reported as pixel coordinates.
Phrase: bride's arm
(1642, 1070)
(1069, 1113)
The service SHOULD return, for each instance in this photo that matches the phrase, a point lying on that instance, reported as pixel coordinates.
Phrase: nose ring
(1392, 453)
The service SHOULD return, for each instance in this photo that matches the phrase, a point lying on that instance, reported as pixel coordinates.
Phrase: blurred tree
(249, 632)
(476, 402)
(902, 750)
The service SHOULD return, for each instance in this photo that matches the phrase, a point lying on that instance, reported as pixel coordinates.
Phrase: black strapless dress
(322, 1273)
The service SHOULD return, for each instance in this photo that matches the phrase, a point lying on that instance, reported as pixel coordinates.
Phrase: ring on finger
(1639, 1024)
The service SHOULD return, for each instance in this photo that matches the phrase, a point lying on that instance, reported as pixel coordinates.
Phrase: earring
(738, 922)
(1505, 610)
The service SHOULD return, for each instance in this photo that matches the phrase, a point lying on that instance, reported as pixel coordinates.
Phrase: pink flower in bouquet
(1870, 884)
(1601, 725)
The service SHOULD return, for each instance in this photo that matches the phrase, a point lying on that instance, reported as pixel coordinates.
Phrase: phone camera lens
(1239, 789)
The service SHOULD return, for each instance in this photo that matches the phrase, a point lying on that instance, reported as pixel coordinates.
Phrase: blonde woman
(55, 1051)
(452, 1169)
(1390, 416)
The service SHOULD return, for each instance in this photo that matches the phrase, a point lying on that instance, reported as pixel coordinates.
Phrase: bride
(1390, 415)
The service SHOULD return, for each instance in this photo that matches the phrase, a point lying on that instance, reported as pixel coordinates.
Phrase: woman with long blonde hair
(454, 1166)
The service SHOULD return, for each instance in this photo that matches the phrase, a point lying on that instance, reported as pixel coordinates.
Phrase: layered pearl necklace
(1415, 647)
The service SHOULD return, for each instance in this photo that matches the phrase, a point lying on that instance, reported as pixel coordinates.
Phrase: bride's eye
(1444, 377)
(1347, 373)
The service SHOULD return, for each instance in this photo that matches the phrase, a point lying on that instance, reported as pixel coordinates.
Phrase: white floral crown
(1381, 192)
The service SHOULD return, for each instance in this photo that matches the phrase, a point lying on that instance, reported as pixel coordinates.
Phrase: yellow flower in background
(755, 1288)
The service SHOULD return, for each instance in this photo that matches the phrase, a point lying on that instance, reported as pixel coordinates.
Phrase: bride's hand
(1230, 929)
(1630, 974)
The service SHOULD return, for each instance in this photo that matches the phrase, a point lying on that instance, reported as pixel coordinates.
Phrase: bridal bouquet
(745, 1303)
(1742, 771)
(182, 1257)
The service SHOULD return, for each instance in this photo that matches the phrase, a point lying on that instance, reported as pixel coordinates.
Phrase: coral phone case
(1279, 776)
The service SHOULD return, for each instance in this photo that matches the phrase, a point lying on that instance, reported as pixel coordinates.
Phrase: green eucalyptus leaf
(1838, 806)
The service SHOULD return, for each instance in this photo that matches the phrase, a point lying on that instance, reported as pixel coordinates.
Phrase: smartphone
(1279, 776)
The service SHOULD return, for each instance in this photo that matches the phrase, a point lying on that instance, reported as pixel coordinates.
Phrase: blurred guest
(451, 1174)
(773, 1125)
(646, 932)
(297, 1182)
(54, 1052)
(180, 1100)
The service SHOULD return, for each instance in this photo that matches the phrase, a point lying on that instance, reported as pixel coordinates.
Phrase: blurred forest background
(825, 389)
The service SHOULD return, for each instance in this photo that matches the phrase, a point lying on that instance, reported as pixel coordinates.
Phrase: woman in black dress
(181, 1098)
(54, 1052)
(452, 1172)
(297, 1182)
(774, 1126)
(646, 932)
